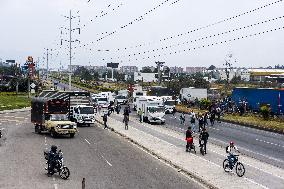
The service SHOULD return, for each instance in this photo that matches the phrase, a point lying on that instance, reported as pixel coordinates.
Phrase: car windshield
(156, 109)
(86, 110)
(59, 117)
(102, 99)
(120, 97)
(139, 94)
(170, 103)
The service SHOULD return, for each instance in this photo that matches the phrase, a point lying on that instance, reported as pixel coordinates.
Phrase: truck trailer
(257, 97)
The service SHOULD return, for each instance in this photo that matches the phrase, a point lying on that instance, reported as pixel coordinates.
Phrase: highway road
(262, 145)
(102, 157)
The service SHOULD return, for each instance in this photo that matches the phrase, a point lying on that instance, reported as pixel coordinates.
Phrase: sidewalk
(210, 172)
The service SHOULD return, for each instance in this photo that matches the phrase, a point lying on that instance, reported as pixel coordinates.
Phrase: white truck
(136, 95)
(81, 108)
(153, 109)
(191, 93)
(169, 104)
(109, 95)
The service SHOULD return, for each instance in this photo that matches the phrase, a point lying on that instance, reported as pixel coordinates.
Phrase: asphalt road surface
(105, 159)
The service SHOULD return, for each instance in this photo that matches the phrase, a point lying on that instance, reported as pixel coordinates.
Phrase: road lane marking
(55, 186)
(269, 142)
(87, 141)
(106, 161)
(252, 181)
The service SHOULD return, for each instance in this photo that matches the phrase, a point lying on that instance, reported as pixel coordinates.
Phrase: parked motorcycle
(59, 167)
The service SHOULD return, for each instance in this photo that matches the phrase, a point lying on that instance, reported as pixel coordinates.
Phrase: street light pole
(70, 55)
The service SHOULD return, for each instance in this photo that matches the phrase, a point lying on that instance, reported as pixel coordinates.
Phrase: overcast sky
(29, 26)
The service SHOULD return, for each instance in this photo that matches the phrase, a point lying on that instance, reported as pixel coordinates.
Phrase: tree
(212, 67)
(146, 70)
(236, 80)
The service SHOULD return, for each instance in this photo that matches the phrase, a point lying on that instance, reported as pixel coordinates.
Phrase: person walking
(182, 118)
(105, 120)
(126, 120)
(200, 122)
(192, 121)
(174, 112)
(205, 119)
(140, 113)
(218, 113)
(212, 118)
(188, 138)
(204, 136)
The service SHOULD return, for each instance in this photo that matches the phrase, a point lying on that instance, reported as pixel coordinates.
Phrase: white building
(146, 77)
(176, 70)
(128, 69)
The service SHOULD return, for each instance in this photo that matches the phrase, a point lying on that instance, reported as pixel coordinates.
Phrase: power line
(203, 27)
(211, 44)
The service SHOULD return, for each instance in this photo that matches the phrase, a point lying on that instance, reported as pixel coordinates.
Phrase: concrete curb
(15, 110)
(180, 169)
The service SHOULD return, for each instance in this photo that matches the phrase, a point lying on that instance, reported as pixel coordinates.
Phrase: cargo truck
(191, 93)
(51, 115)
(257, 97)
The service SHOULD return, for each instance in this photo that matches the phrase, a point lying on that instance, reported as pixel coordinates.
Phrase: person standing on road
(212, 118)
(140, 113)
(126, 120)
(174, 112)
(182, 118)
(218, 113)
(188, 138)
(105, 120)
(205, 119)
(204, 136)
(192, 121)
(200, 122)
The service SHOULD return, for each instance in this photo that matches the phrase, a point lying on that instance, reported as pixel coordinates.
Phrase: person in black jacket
(52, 154)
(204, 136)
(105, 120)
(188, 135)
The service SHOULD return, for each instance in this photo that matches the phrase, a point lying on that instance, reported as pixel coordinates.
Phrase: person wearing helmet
(231, 150)
(52, 159)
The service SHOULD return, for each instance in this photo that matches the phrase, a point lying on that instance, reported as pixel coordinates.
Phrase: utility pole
(47, 65)
(70, 17)
(159, 65)
(228, 67)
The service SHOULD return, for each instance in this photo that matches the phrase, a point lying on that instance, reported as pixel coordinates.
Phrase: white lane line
(106, 161)
(87, 141)
(269, 142)
(55, 186)
(255, 183)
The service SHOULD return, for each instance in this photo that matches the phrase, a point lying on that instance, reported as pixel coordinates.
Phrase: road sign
(33, 85)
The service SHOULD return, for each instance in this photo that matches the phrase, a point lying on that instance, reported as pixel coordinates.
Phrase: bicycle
(240, 168)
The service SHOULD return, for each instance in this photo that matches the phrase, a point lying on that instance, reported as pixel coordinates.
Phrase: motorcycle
(59, 167)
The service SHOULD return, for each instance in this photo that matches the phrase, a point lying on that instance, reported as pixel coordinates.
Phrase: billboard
(11, 61)
(112, 65)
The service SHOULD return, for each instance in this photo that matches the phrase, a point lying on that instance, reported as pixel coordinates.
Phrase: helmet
(53, 148)
(231, 143)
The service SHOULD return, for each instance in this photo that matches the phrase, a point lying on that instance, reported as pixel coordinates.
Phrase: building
(244, 73)
(128, 69)
(220, 74)
(265, 74)
(176, 70)
(145, 77)
(193, 70)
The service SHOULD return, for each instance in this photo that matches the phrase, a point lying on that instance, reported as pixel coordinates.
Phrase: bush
(204, 104)
(265, 111)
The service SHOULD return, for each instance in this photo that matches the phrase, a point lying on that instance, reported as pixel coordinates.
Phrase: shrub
(265, 111)
(204, 104)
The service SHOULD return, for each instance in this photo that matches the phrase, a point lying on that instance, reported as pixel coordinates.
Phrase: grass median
(276, 124)
(10, 101)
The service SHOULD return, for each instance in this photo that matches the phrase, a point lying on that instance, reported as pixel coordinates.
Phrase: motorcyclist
(188, 138)
(52, 155)
(204, 136)
(231, 150)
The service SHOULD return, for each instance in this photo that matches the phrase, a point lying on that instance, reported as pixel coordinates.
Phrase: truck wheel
(53, 133)
(72, 135)
(37, 129)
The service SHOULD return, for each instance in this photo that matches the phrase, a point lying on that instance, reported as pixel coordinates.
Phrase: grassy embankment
(248, 119)
(10, 100)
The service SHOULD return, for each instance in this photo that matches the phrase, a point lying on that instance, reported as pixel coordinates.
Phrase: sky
(183, 33)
